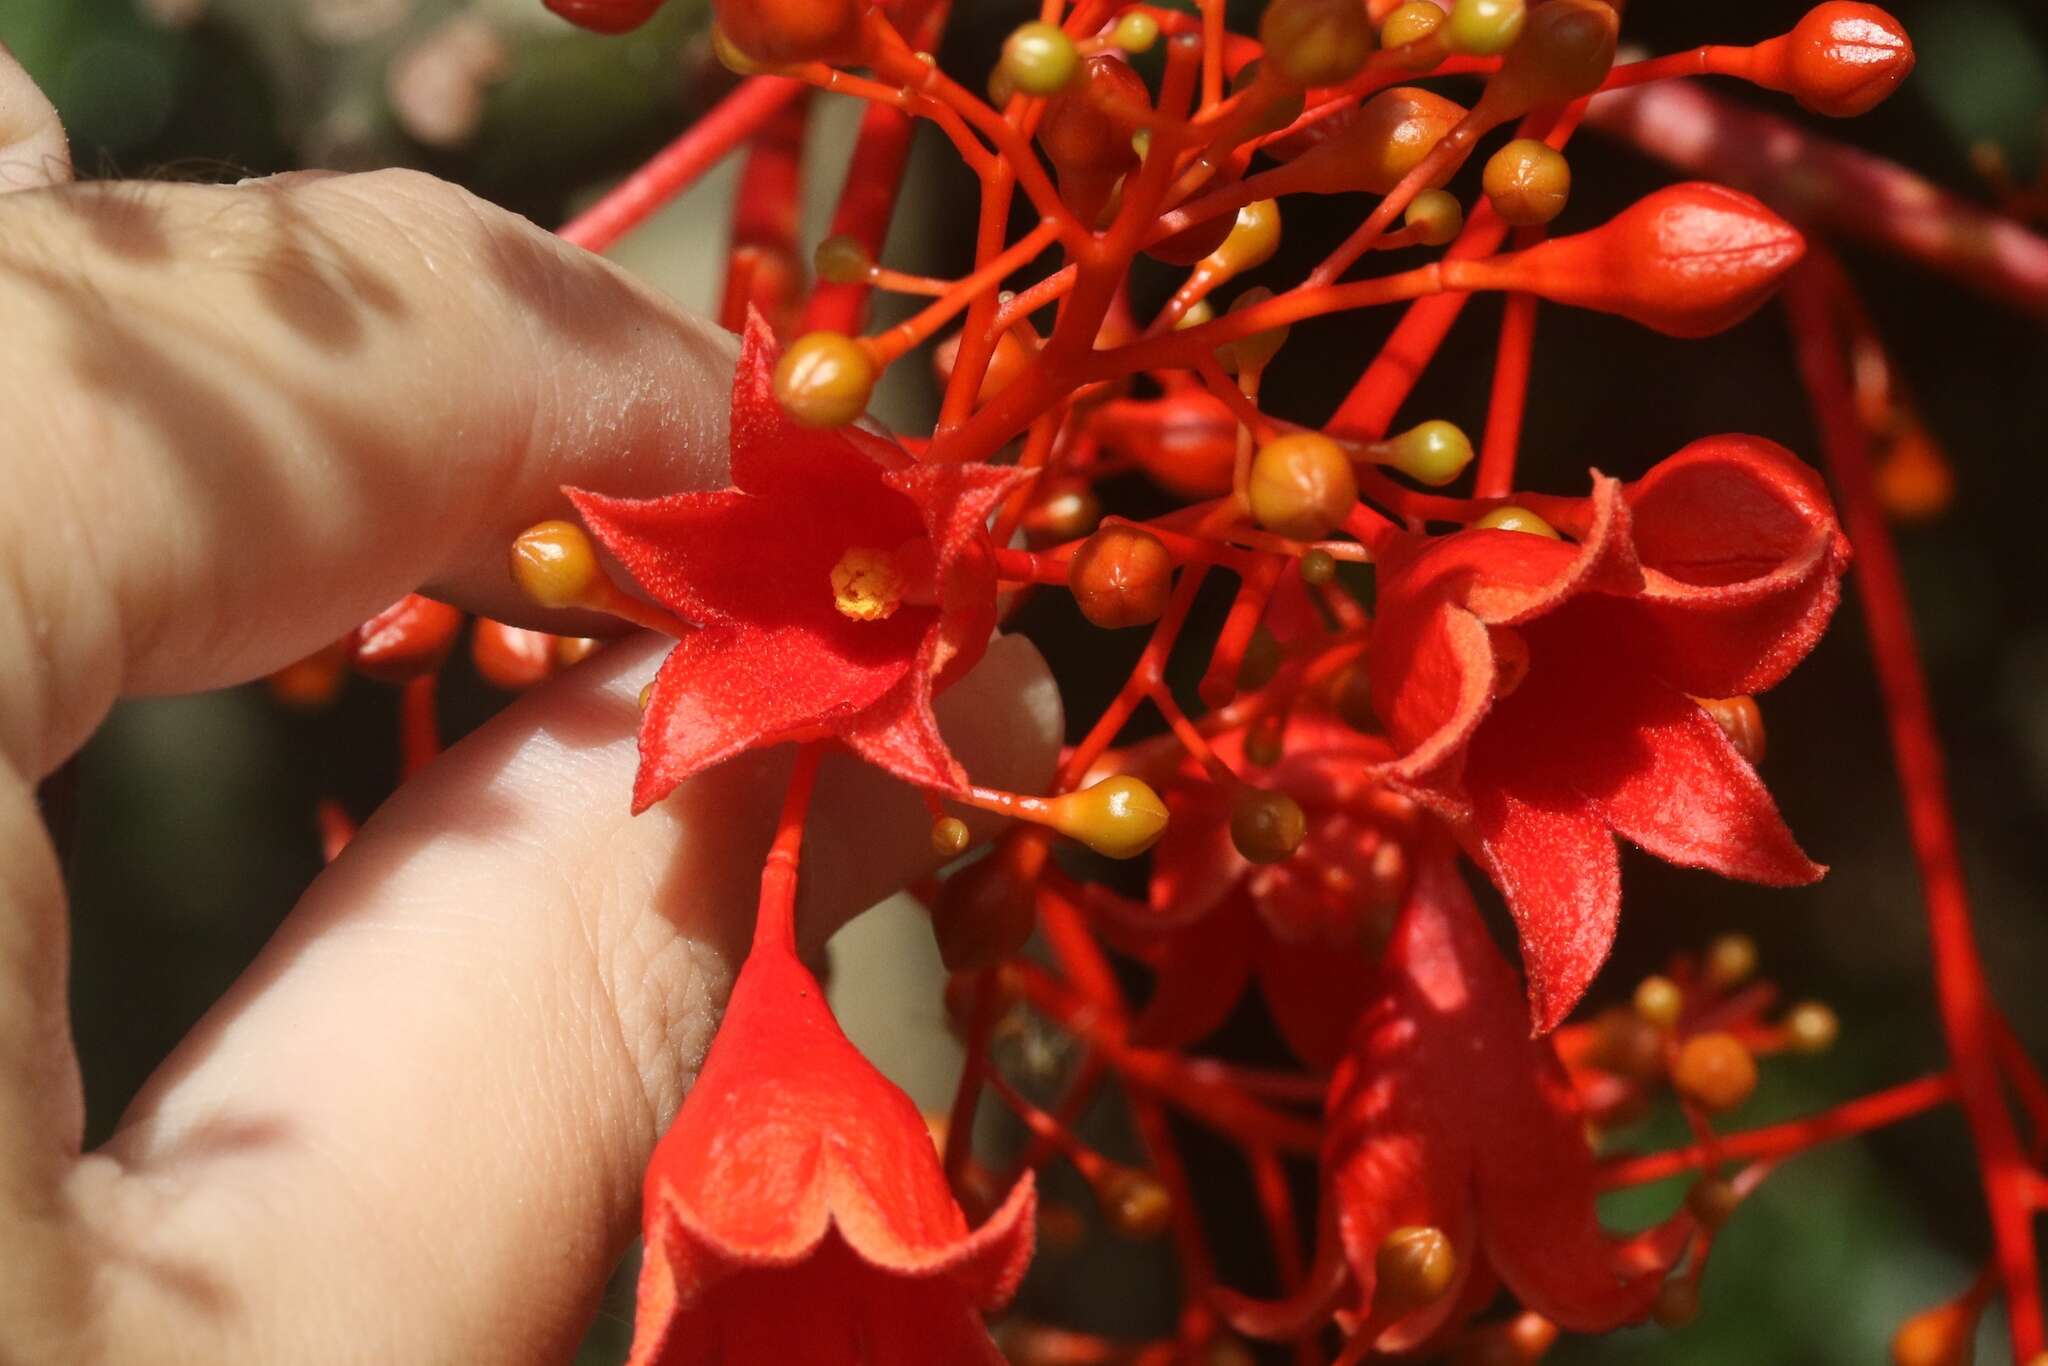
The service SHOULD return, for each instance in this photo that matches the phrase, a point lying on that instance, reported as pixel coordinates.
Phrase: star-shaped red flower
(1308, 927)
(835, 586)
(1543, 693)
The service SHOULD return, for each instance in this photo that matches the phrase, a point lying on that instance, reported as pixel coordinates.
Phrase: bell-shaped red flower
(796, 1210)
(1543, 694)
(1308, 927)
(1447, 1114)
(835, 586)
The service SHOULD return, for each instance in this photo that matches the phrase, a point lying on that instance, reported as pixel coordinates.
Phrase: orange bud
(1302, 486)
(1064, 510)
(1415, 1265)
(1714, 1071)
(1565, 50)
(1119, 817)
(1741, 721)
(407, 639)
(1317, 42)
(1527, 182)
(1088, 146)
(782, 31)
(315, 680)
(1134, 1202)
(950, 836)
(1121, 576)
(1659, 1001)
(555, 565)
(1375, 146)
(1712, 1201)
(1267, 826)
(1840, 60)
(1942, 1336)
(1186, 442)
(825, 379)
(509, 656)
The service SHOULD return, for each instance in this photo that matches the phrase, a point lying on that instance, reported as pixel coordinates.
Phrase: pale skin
(235, 421)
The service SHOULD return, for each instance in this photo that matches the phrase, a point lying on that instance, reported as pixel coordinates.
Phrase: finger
(415, 1131)
(244, 419)
(33, 150)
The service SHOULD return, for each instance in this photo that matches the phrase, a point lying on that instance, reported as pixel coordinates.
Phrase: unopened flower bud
(1433, 453)
(1565, 50)
(555, 565)
(1252, 240)
(606, 16)
(1410, 23)
(783, 31)
(1659, 1001)
(1040, 59)
(1629, 1045)
(315, 680)
(1415, 1265)
(1119, 817)
(1527, 182)
(1484, 28)
(573, 650)
(950, 836)
(1677, 1302)
(1712, 1201)
(1200, 313)
(509, 656)
(1255, 352)
(842, 260)
(1840, 60)
(1088, 145)
(1375, 147)
(1065, 510)
(1121, 576)
(1318, 567)
(1715, 1071)
(1317, 42)
(1134, 1203)
(1302, 486)
(1731, 960)
(406, 640)
(1942, 1336)
(1811, 1027)
(1137, 31)
(1267, 826)
(1515, 519)
(1742, 721)
(825, 379)
(1436, 216)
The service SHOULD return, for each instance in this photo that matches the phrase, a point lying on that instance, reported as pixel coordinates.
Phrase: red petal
(1556, 865)
(898, 731)
(773, 456)
(1200, 977)
(955, 502)
(727, 688)
(1315, 992)
(1194, 865)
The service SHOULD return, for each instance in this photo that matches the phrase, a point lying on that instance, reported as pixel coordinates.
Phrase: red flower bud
(511, 657)
(1841, 60)
(1688, 261)
(1186, 442)
(1089, 146)
(781, 31)
(409, 638)
(606, 16)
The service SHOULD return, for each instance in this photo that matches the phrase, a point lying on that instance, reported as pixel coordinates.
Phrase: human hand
(236, 422)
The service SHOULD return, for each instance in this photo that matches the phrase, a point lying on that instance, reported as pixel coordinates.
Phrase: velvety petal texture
(796, 1210)
(777, 656)
(1544, 694)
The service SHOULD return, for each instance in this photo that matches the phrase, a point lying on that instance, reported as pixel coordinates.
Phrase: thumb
(33, 151)
(419, 1122)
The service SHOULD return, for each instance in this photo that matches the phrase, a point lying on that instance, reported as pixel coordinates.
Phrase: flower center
(866, 584)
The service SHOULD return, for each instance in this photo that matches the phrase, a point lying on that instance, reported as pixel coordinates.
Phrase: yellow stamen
(866, 584)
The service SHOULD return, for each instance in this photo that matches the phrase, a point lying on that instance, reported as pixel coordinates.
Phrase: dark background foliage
(193, 817)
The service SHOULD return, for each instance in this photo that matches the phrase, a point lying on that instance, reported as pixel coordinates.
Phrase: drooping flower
(796, 1210)
(835, 585)
(1446, 1114)
(1544, 695)
(1307, 928)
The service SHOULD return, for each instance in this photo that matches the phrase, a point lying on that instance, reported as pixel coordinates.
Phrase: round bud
(825, 379)
(1267, 826)
(1527, 182)
(1001, 89)
(1942, 1336)
(1659, 1001)
(555, 565)
(985, 913)
(1742, 721)
(407, 640)
(842, 260)
(1200, 313)
(1628, 1045)
(1065, 510)
(1433, 453)
(1515, 519)
(315, 680)
(1317, 42)
(1715, 1071)
(1811, 1027)
(1040, 59)
(1712, 1201)
(1731, 960)
(1252, 241)
(1484, 28)
(1415, 1266)
(1840, 60)
(1089, 146)
(1565, 50)
(1302, 486)
(1262, 656)
(1119, 817)
(1255, 352)
(1677, 1302)
(1351, 698)
(573, 650)
(1377, 145)
(511, 657)
(783, 31)
(1318, 567)
(1121, 576)
(949, 836)
(1436, 216)
(1135, 32)
(1410, 23)
(1134, 1203)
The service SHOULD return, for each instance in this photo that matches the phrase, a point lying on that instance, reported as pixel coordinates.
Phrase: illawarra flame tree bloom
(1418, 659)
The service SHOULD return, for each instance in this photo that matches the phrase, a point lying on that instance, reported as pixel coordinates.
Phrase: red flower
(837, 584)
(1445, 1113)
(1543, 693)
(796, 1211)
(1307, 927)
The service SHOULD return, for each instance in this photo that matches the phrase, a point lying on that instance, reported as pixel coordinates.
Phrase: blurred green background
(193, 817)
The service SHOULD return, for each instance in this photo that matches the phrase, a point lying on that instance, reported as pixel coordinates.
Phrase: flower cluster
(1413, 690)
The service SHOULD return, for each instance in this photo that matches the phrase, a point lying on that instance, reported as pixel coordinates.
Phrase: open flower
(835, 586)
(1446, 1114)
(1308, 927)
(796, 1212)
(1544, 695)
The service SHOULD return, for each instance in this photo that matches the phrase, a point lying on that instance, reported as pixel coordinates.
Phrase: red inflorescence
(1403, 676)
